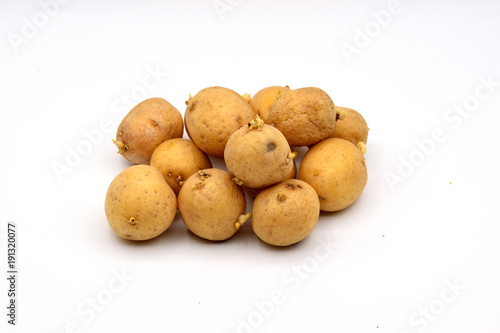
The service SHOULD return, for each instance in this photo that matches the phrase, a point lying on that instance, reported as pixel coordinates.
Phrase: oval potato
(178, 159)
(285, 213)
(212, 115)
(145, 127)
(139, 203)
(211, 205)
(336, 169)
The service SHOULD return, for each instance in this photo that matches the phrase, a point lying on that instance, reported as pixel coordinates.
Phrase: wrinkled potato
(139, 203)
(177, 159)
(254, 191)
(258, 154)
(336, 169)
(350, 126)
(285, 213)
(145, 127)
(211, 205)
(212, 115)
(264, 98)
(305, 116)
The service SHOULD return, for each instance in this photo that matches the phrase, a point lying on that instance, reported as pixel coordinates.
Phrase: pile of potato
(255, 137)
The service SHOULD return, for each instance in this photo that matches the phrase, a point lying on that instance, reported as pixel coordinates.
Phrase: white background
(422, 238)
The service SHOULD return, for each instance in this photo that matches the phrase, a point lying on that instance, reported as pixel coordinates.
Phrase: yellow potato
(265, 98)
(285, 213)
(145, 127)
(177, 159)
(305, 116)
(336, 169)
(139, 203)
(211, 205)
(258, 155)
(350, 126)
(212, 115)
(254, 191)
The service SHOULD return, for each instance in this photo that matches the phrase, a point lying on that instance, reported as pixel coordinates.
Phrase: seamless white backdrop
(418, 252)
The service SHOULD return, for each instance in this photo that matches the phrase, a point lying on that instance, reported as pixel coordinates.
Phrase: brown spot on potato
(192, 106)
(281, 197)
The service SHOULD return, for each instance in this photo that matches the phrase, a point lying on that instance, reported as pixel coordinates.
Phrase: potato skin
(286, 213)
(336, 169)
(254, 191)
(140, 192)
(210, 204)
(145, 127)
(265, 98)
(258, 156)
(178, 159)
(212, 115)
(352, 127)
(305, 116)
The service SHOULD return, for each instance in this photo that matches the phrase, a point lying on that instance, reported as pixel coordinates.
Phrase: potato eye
(271, 146)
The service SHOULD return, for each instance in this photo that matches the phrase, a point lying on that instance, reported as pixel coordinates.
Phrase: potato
(264, 98)
(177, 159)
(285, 213)
(139, 203)
(336, 169)
(350, 126)
(254, 191)
(212, 115)
(145, 127)
(305, 116)
(258, 155)
(211, 205)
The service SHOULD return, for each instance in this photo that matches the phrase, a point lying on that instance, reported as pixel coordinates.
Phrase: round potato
(258, 155)
(212, 115)
(254, 191)
(177, 159)
(285, 213)
(145, 127)
(139, 203)
(211, 205)
(350, 126)
(305, 116)
(336, 169)
(265, 98)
